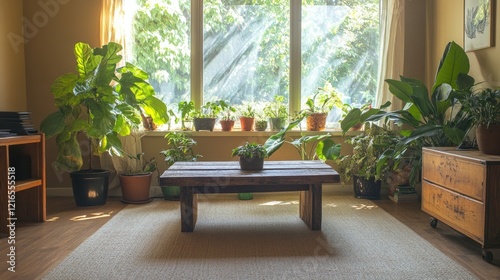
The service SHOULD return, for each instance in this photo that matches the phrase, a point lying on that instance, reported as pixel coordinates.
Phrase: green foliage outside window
(161, 46)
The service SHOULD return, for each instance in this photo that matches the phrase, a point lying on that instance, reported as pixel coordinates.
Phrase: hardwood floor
(454, 244)
(40, 246)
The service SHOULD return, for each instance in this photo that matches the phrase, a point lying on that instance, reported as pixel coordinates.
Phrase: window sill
(239, 133)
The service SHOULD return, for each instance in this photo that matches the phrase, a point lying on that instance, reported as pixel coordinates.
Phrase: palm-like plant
(430, 120)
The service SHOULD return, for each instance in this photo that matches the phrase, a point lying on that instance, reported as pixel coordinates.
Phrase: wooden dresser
(462, 189)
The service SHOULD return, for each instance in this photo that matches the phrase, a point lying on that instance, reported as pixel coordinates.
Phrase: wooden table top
(217, 173)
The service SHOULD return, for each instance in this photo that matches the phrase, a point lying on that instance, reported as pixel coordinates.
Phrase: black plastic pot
(90, 187)
(254, 163)
(368, 189)
(204, 124)
(276, 124)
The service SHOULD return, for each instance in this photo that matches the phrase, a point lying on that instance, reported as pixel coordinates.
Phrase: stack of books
(404, 193)
(16, 123)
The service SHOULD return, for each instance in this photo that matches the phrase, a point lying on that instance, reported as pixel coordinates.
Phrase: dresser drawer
(461, 213)
(464, 176)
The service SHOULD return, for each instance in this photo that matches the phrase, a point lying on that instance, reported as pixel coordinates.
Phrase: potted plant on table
(277, 113)
(483, 107)
(319, 105)
(135, 184)
(252, 157)
(180, 148)
(100, 103)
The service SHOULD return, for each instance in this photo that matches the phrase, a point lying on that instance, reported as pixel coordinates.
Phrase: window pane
(340, 45)
(159, 43)
(246, 50)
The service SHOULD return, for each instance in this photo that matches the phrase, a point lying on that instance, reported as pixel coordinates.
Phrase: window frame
(196, 70)
(295, 55)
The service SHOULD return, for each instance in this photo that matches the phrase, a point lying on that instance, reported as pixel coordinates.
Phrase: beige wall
(446, 24)
(12, 70)
(49, 54)
(414, 65)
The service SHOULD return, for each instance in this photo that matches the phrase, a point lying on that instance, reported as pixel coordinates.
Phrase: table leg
(189, 209)
(311, 206)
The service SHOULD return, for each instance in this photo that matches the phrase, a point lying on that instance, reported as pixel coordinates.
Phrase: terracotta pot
(227, 125)
(316, 121)
(487, 139)
(135, 188)
(246, 123)
(148, 123)
(356, 127)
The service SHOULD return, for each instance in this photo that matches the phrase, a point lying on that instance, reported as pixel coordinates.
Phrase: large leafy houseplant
(99, 102)
(435, 119)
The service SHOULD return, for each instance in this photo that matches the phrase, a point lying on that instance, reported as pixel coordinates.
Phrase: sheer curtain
(112, 22)
(391, 50)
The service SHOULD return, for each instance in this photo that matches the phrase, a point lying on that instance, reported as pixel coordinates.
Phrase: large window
(246, 48)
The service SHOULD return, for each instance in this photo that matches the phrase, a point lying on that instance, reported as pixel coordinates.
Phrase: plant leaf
(328, 150)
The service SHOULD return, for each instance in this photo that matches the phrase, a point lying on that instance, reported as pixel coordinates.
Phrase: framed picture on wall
(479, 24)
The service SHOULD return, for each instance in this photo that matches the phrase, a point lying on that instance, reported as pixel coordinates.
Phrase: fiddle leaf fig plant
(100, 102)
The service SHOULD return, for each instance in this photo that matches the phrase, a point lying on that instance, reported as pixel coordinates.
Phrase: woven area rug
(263, 238)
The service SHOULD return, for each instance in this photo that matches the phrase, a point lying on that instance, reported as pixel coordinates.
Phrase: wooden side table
(22, 180)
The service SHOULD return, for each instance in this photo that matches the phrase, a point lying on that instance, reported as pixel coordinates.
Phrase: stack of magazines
(16, 123)
(404, 193)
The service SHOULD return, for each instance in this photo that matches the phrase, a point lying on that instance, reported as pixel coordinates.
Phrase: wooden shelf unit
(30, 194)
(462, 189)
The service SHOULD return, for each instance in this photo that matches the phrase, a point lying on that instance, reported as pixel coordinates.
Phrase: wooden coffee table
(210, 177)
